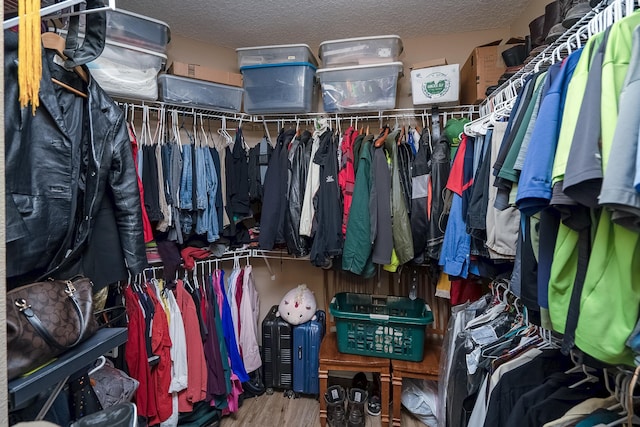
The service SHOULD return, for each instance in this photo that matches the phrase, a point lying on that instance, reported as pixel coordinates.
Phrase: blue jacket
(534, 188)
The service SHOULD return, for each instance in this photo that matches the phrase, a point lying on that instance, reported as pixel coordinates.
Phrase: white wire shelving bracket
(53, 11)
(183, 109)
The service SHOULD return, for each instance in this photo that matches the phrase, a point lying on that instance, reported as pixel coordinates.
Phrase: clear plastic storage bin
(360, 87)
(137, 30)
(183, 90)
(279, 88)
(128, 71)
(262, 55)
(360, 51)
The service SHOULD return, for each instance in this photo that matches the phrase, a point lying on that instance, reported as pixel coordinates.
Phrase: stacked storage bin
(134, 53)
(278, 79)
(200, 93)
(360, 74)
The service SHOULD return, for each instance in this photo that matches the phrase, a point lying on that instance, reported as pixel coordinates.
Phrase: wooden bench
(332, 360)
(391, 371)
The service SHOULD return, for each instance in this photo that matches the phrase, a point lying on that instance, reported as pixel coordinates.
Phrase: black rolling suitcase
(277, 344)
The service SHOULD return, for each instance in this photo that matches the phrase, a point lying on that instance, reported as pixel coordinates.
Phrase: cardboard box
(435, 85)
(483, 69)
(196, 71)
(430, 63)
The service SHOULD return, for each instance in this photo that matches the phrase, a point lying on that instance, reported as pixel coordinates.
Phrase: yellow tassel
(29, 53)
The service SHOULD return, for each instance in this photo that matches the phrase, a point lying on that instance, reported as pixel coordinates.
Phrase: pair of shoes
(354, 416)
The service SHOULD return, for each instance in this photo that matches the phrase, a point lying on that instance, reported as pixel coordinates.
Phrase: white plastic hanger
(204, 134)
(589, 377)
(101, 362)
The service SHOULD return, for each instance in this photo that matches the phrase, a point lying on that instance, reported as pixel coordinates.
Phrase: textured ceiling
(242, 23)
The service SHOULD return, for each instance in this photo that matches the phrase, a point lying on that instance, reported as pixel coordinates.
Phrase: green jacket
(356, 254)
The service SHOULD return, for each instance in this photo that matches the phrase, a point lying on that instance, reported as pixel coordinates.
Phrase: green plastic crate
(381, 326)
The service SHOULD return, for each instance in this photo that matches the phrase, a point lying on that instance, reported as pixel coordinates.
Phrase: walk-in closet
(346, 214)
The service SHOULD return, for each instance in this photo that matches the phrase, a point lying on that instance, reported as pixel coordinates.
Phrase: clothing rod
(227, 256)
(561, 47)
(56, 7)
(259, 253)
(409, 113)
(184, 110)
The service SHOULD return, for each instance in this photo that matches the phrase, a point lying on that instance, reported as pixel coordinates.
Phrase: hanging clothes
(437, 208)
(455, 257)
(146, 224)
(259, 157)
(327, 230)
(216, 379)
(178, 350)
(175, 173)
(356, 256)
(161, 373)
(59, 164)
(346, 174)
(219, 200)
(299, 158)
(421, 179)
(196, 390)
(313, 181)
(233, 283)
(275, 190)
(380, 206)
(227, 326)
(163, 224)
(150, 183)
(502, 225)
(237, 171)
(401, 227)
(249, 317)
(135, 353)
(207, 215)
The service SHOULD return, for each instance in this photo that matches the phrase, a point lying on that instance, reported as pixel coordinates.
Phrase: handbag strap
(33, 319)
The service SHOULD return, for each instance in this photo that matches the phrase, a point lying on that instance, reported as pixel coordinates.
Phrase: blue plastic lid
(280, 64)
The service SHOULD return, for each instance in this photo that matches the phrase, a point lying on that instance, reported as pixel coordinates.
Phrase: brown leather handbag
(44, 319)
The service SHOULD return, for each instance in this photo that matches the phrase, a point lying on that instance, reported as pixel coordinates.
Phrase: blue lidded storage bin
(286, 87)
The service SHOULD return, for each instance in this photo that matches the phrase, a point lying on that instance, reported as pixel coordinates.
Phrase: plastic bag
(420, 397)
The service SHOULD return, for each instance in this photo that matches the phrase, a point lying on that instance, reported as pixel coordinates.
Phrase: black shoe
(360, 381)
(334, 398)
(355, 407)
(254, 386)
(374, 404)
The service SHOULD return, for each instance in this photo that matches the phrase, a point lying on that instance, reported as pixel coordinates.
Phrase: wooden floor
(279, 411)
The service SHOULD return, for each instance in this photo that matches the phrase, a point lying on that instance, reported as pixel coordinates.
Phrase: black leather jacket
(299, 158)
(58, 164)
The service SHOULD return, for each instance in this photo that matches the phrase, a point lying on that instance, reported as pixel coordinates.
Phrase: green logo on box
(436, 85)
